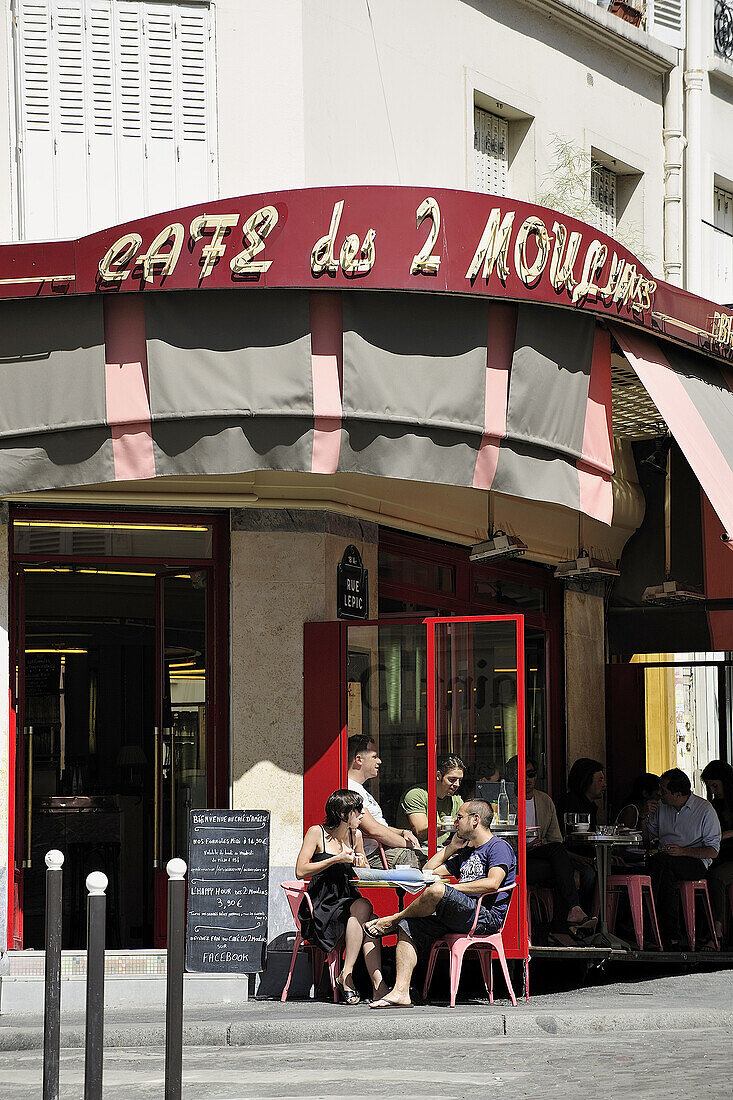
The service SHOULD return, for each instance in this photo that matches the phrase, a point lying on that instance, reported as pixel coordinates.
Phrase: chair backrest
(492, 894)
(295, 892)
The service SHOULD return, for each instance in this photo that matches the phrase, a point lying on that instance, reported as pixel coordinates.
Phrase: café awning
(694, 394)
(432, 388)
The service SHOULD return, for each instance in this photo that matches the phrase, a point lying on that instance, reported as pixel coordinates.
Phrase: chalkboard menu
(228, 878)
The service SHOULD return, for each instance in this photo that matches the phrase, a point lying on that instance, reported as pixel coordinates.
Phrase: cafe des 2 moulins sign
(352, 586)
(372, 238)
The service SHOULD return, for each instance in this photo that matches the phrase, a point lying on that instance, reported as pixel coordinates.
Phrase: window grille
(490, 152)
(603, 198)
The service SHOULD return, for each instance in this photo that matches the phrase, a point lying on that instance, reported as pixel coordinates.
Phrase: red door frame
(325, 733)
(217, 688)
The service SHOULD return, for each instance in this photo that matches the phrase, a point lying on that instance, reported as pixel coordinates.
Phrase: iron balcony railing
(723, 28)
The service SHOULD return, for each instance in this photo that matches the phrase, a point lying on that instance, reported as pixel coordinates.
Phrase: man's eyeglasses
(531, 774)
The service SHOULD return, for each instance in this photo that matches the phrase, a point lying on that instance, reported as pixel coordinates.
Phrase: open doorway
(116, 715)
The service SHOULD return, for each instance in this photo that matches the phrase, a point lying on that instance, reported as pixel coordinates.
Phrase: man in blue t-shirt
(483, 864)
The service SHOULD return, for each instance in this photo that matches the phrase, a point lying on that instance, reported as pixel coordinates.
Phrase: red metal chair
(639, 890)
(459, 943)
(688, 892)
(295, 892)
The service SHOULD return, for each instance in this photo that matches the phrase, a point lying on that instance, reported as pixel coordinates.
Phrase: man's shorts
(454, 913)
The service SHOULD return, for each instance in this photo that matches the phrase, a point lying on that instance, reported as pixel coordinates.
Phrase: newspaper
(409, 878)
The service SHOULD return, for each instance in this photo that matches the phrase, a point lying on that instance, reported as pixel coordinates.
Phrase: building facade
(159, 573)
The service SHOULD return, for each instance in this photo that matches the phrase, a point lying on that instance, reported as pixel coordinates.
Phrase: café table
(504, 831)
(603, 844)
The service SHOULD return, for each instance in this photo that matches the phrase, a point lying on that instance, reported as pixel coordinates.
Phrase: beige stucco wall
(283, 574)
(585, 674)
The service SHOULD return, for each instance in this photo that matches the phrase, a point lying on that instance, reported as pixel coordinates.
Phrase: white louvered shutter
(665, 19)
(129, 123)
(603, 198)
(193, 101)
(36, 137)
(160, 136)
(116, 111)
(101, 130)
(723, 210)
(490, 152)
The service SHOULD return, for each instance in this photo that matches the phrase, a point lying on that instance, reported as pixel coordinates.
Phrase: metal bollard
(94, 1038)
(52, 1007)
(176, 869)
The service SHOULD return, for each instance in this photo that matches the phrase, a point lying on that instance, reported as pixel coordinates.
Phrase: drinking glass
(571, 820)
(512, 819)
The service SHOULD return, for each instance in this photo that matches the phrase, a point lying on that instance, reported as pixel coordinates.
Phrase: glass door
(181, 763)
(476, 712)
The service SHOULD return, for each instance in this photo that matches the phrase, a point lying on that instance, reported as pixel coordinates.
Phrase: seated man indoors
(414, 803)
(688, 831)
(401, 846)
(483, 863)
(548, 860)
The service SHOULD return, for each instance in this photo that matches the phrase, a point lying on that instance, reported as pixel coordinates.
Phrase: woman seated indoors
(643, 801)
(327, 857)
(718, 778)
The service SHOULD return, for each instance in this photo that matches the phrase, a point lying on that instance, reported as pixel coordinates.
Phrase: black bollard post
(94, 1038)
(52, 1006)
(176, 869)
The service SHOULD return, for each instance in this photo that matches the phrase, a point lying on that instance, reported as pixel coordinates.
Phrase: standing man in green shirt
(414, 803)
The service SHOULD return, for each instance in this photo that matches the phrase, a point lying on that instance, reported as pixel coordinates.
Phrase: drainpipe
(694, 162)
(674, 144)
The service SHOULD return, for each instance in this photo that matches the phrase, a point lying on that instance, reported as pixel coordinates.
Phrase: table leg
(603, 937)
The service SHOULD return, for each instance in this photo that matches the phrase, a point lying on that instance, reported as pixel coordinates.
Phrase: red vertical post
(521, 800)
(432, 701)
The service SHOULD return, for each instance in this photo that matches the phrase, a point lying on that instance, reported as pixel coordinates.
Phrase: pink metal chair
(639, 890)
(458, 944)
(295, 892)
(688, 892)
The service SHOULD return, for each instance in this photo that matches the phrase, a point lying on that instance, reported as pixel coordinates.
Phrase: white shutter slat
(102, 166)
(192, 129)
(69, 105)
(161, 168)
(130, 131)
(666, 20)
(36, 123)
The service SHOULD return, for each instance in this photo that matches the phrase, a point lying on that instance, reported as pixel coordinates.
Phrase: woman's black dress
(332, 893)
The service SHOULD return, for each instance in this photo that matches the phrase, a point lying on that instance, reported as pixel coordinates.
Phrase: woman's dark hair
(644, 785)
(445, 763)
(581, 774)
(718, 769)
(339, 805)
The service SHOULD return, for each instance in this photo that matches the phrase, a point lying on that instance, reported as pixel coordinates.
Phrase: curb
(390, 1026)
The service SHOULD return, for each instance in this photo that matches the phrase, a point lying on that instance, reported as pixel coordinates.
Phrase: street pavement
(645, 1065)
(634, 1037)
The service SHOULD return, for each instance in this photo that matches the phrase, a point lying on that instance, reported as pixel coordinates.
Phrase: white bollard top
(54, 860)
(176, 868)
(96, 883)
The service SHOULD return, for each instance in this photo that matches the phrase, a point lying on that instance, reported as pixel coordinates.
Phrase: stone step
(133, 979)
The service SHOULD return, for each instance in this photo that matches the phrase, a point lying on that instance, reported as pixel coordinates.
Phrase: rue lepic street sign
(352, 586)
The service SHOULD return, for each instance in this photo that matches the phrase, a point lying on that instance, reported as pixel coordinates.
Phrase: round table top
(513, 830)
(629, 839)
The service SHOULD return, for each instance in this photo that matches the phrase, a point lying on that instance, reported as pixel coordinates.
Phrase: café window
(416, 573)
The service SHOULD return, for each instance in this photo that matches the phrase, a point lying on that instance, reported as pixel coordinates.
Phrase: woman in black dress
(326, 858)
(718, 778)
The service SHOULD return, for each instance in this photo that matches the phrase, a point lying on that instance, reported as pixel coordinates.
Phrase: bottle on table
(502, 809)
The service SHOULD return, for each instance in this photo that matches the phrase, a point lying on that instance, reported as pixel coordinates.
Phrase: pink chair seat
(458, 944)
(639, 890)
(295, 892)
(688, 892)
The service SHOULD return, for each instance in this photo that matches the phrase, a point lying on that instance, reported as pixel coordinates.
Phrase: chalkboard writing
(42, 674)
(228, 878)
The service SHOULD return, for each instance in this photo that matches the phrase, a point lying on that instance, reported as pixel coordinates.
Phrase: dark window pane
(418, 574)
(508, 594)
(111, 539)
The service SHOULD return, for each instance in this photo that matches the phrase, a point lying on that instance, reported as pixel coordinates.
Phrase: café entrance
(117, 709)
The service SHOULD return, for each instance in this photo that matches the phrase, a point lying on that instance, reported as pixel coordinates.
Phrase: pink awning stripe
(666, 389)
(500, 351)
(127, 388)
(327, 344)
(594, 480)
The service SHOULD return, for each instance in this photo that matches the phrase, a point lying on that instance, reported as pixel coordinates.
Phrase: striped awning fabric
(458, 391)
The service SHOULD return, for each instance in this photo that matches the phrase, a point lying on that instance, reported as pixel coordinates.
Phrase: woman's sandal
(347, 996)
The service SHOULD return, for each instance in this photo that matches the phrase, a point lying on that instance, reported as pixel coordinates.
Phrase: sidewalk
(679, 1002)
